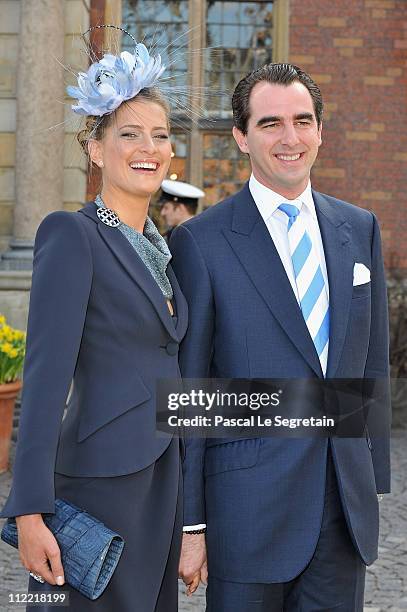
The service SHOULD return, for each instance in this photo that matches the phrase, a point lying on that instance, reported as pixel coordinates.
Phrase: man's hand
(38, 548)
(192, 565)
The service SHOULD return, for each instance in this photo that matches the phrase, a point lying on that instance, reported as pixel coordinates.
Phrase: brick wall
(357, 52)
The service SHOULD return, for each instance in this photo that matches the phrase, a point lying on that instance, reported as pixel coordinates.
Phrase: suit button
(172, 348)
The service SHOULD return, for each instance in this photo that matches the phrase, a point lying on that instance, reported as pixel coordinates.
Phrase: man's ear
(320, 133)
(95, 152)
(241, 140)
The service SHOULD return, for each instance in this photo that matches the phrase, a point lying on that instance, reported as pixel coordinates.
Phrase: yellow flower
(6, 347)
(12, 350)
(18, 334)
(7, 333)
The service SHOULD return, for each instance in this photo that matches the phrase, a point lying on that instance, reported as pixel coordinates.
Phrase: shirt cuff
(187, 528)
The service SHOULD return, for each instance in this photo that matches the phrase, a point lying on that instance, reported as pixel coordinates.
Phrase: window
(239, 37)
(225, 169)
(162, 26)
(241, 34)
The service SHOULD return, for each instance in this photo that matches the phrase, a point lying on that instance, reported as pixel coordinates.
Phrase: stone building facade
(41, 166)
(356, 51)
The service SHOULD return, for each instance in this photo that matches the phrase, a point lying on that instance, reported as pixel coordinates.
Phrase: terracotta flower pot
(8, 395)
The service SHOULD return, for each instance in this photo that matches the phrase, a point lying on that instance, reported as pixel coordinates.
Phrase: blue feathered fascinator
(114, 79)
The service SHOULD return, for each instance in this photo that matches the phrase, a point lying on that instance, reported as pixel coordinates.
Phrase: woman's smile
(145, 166)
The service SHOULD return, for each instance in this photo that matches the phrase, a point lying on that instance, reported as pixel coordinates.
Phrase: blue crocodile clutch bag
(90, 551)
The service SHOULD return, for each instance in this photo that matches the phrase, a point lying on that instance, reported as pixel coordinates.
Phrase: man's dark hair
(191, 207)
(280, 74)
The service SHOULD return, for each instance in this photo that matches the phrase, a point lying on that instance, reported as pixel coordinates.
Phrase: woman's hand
(38, 548)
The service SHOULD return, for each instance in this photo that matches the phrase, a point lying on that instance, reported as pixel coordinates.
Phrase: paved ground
(387, 578)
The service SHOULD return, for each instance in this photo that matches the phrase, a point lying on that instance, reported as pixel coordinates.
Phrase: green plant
(12, 351)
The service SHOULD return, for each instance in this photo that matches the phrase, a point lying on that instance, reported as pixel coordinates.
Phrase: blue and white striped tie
(310, 283)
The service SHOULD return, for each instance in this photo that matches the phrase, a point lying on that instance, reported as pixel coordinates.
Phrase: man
(290, 523)
(179, 203)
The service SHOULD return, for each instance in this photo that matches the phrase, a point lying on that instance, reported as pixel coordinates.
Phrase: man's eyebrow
(309, 116)
(276, 118)
(270, 119)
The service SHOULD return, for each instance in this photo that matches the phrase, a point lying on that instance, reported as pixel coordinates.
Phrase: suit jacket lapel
(134, 266)
(254, 247)
(336, 238)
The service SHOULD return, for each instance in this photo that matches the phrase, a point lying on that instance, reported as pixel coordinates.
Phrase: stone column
(40, 107)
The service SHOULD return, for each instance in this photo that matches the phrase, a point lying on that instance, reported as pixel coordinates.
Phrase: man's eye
(162, 136)
(271, 125)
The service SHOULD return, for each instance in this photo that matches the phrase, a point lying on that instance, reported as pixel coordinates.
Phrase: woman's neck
(131, 210)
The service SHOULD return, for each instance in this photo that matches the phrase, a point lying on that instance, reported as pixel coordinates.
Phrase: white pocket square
(361, 274)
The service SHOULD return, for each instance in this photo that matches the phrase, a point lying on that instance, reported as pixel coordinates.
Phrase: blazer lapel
(134, 266)
(254, 247)
(336, 238)
(180, 304)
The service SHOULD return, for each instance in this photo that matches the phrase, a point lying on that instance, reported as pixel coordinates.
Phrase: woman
(106, 312)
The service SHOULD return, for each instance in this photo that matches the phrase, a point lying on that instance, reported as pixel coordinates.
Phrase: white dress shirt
(268, 201)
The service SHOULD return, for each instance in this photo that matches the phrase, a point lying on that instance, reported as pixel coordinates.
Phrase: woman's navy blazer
(96, 317)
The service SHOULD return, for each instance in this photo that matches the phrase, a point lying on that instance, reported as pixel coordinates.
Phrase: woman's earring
(101, 164)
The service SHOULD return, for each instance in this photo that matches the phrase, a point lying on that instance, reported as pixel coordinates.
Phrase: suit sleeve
(61, 281)
(195, 356)
(377, 364)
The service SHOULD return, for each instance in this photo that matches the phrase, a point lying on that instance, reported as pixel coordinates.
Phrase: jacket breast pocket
(99, 406)
(237, 455)
(361, 291)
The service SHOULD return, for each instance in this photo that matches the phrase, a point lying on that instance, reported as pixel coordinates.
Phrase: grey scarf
(151, 248)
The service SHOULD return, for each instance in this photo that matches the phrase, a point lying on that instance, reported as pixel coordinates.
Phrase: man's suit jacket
(262, 499)
(96, 317)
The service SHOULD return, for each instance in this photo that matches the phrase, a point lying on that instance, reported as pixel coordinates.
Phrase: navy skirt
(145, 508)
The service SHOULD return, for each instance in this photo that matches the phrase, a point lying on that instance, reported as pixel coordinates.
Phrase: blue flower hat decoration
(114, 79)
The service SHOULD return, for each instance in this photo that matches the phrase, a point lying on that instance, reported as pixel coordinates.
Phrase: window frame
(197, 24)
